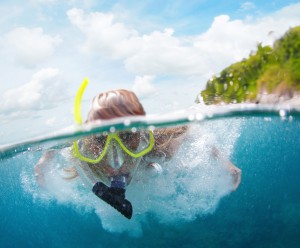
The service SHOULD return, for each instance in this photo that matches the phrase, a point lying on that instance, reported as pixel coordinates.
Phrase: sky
(164, 51)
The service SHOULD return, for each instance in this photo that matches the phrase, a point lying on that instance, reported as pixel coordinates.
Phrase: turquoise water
(200, 212)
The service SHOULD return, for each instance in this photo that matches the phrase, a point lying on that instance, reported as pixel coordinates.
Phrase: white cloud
(228, 41)
(164, 53)
(247, 6)
(160, 52)
(103, 35)
(51, 121)
(143, 86)
(42, 91)
(30, 46)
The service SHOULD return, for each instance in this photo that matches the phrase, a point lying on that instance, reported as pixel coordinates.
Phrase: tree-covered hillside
(271, 70)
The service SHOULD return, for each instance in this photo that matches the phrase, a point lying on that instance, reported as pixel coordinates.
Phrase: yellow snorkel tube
(77, 102)
(111, 136)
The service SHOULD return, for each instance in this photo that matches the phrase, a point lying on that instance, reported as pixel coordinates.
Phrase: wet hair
(168, 140)
(114, 104)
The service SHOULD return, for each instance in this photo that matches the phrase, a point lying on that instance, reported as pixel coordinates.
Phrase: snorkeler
(109, 161)
(106, 162)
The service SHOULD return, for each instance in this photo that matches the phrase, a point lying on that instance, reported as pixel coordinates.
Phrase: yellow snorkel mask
(110, 137)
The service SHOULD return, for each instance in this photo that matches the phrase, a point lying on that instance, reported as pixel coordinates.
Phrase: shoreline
(274, 98)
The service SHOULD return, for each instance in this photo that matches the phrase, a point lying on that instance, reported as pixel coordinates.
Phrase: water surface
(189, 205)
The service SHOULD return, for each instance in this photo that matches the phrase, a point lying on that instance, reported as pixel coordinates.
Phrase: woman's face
(110, 105)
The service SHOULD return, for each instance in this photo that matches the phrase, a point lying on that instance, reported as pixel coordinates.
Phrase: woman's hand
(236, 175)
(234, 171)
(39, 169)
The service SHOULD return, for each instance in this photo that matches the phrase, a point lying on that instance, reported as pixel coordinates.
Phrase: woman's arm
(234, 171)
(40, 167)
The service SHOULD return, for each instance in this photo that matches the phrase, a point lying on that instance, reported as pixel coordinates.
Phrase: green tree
(276, 68)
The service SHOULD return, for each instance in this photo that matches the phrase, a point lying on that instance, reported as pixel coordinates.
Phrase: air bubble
(282, 113)
(210, 114)
(268, 119)
(127, 122)
(199, 116)
(191, 117)
(151, 128)
(112, 129)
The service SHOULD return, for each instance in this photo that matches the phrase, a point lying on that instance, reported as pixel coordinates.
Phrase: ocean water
(189, 205)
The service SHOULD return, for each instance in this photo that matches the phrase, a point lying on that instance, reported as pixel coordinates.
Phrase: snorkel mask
(112, 146)
(114, 137)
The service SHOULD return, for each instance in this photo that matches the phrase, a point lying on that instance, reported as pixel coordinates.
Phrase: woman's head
(113, 104)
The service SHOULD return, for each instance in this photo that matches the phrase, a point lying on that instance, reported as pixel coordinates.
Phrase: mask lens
(130, 140)
(98, 143)
(100, 139)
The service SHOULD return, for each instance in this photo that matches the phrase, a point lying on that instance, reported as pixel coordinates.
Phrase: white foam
(191, 184)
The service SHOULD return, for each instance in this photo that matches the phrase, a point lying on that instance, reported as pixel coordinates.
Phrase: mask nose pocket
(115, 156)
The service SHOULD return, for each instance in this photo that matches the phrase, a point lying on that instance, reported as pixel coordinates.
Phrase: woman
(107, 162)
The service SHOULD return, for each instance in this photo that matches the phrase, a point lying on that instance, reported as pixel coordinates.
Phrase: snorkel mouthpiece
(118, 182)
(114, 197)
